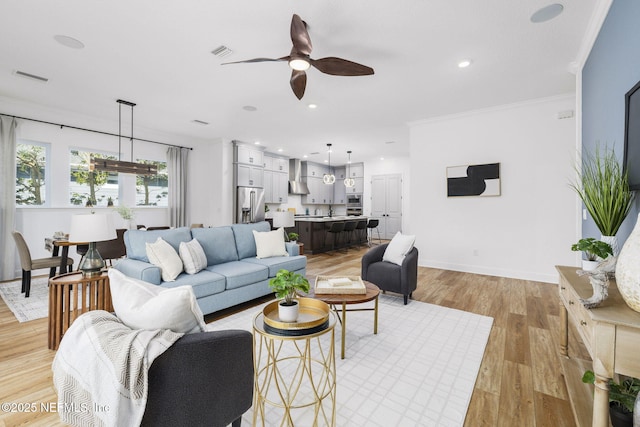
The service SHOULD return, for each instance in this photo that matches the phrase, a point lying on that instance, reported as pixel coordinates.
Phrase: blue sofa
(233, 274)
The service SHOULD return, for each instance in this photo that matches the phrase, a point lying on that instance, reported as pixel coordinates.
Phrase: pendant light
(348, 181)
(329, 178)
(120, 166)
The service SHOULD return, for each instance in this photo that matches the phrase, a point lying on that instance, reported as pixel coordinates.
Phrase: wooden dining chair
(28, 264)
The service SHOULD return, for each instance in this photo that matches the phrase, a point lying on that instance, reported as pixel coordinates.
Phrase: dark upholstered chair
(203, 379)
(388, 276)
(108, 249)
(27, 263)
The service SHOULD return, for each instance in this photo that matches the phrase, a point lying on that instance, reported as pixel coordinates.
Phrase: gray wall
(612, 68)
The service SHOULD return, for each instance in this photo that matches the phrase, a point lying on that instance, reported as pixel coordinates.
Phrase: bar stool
(373, 223)
(361, 231)
(335, 229)
(349, 227)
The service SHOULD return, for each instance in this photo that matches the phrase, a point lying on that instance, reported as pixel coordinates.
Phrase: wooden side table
(611, 334)
(71, 295)
(342, 300)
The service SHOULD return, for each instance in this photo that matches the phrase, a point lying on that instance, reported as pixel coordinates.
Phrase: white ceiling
(157, 53)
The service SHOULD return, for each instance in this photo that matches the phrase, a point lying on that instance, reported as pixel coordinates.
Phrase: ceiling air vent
(222, 51)
(30, 76)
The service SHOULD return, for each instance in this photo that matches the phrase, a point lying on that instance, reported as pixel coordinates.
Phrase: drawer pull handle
(583, 323)
(570, 302)
(563, 288)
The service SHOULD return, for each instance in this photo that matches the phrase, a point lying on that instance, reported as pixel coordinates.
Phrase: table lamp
(283, 219)
(92, 228)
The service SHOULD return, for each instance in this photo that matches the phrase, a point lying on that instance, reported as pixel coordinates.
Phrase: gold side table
(71, 295)
(295, 376)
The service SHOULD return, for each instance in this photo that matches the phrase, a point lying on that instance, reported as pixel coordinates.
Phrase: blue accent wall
(612, 68)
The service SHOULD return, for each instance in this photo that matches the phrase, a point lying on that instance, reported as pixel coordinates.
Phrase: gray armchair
(388, 276)
(203, 379)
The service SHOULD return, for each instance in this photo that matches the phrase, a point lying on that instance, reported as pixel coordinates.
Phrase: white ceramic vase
(613, 242)
(288, 313)
(628, 269)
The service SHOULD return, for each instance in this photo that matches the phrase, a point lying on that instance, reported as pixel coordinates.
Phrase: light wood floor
(519, 384)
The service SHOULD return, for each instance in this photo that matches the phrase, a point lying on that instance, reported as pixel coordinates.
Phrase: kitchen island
(313, 232)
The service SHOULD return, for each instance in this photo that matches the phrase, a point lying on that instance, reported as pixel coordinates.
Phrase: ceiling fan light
(299, 64)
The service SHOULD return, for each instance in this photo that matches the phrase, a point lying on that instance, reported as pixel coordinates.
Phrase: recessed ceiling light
(249, 108)
(547, 13)
(381, 158)
(69, 42)
(280, 150)
(305, 156)
(257, 142)
(464, 64)
(313, 106)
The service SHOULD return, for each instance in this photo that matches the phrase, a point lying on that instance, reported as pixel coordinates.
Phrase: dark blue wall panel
(612, 68)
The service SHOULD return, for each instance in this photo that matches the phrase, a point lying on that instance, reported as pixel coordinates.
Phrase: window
(153, 190)
(91, 188)
(31, 173)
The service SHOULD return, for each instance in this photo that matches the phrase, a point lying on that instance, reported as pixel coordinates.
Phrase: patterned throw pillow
(193, 256)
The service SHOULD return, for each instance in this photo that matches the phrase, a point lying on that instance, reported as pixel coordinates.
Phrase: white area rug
(25, 309)
(420, 370)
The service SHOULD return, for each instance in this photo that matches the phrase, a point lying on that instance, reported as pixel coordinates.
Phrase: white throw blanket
(101, 369)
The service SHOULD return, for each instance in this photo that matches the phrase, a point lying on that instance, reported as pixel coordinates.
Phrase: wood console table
(71, 295)
(611, 333)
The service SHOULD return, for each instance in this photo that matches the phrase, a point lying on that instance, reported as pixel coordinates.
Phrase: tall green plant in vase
(604, 189)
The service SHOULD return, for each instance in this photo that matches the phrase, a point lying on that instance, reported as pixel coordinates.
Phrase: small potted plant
(593, 249)
(285, 285)
(293, 237)
(622, 398)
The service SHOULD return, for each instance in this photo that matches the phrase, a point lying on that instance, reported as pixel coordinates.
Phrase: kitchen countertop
(314, 218)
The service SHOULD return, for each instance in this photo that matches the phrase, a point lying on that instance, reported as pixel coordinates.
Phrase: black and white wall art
(473, 180)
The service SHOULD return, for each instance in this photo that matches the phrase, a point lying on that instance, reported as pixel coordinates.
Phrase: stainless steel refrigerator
(249, 204)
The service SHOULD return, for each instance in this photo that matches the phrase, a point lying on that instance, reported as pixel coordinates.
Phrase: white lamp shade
(92, 228)
(283, 219)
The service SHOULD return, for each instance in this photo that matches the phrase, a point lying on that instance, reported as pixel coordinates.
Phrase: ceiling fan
(299, 60)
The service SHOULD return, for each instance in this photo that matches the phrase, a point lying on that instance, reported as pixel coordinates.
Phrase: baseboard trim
(476, 269)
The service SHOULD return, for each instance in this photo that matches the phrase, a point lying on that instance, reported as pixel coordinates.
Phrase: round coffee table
(342, 300)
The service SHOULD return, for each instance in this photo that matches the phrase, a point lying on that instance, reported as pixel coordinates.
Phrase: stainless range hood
(296, 186)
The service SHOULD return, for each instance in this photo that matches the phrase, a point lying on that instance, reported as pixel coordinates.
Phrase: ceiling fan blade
(284, 58)
(298, 83)
(300, 36)
(341, 67)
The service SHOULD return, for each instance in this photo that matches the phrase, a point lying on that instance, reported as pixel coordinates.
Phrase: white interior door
(386, 203)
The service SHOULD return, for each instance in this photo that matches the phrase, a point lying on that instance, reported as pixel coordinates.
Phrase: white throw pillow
(398, 248)
(162, 254)
(193, 256)
(270, 243)
(142, 305)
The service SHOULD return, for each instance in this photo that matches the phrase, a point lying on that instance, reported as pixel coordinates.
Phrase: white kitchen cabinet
(339, 190)
(250, 176)
(356, 170)
(280, 187)
(249, 156)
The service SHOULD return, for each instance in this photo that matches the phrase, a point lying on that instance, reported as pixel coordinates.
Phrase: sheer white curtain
(7, 196)
(177, 168)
